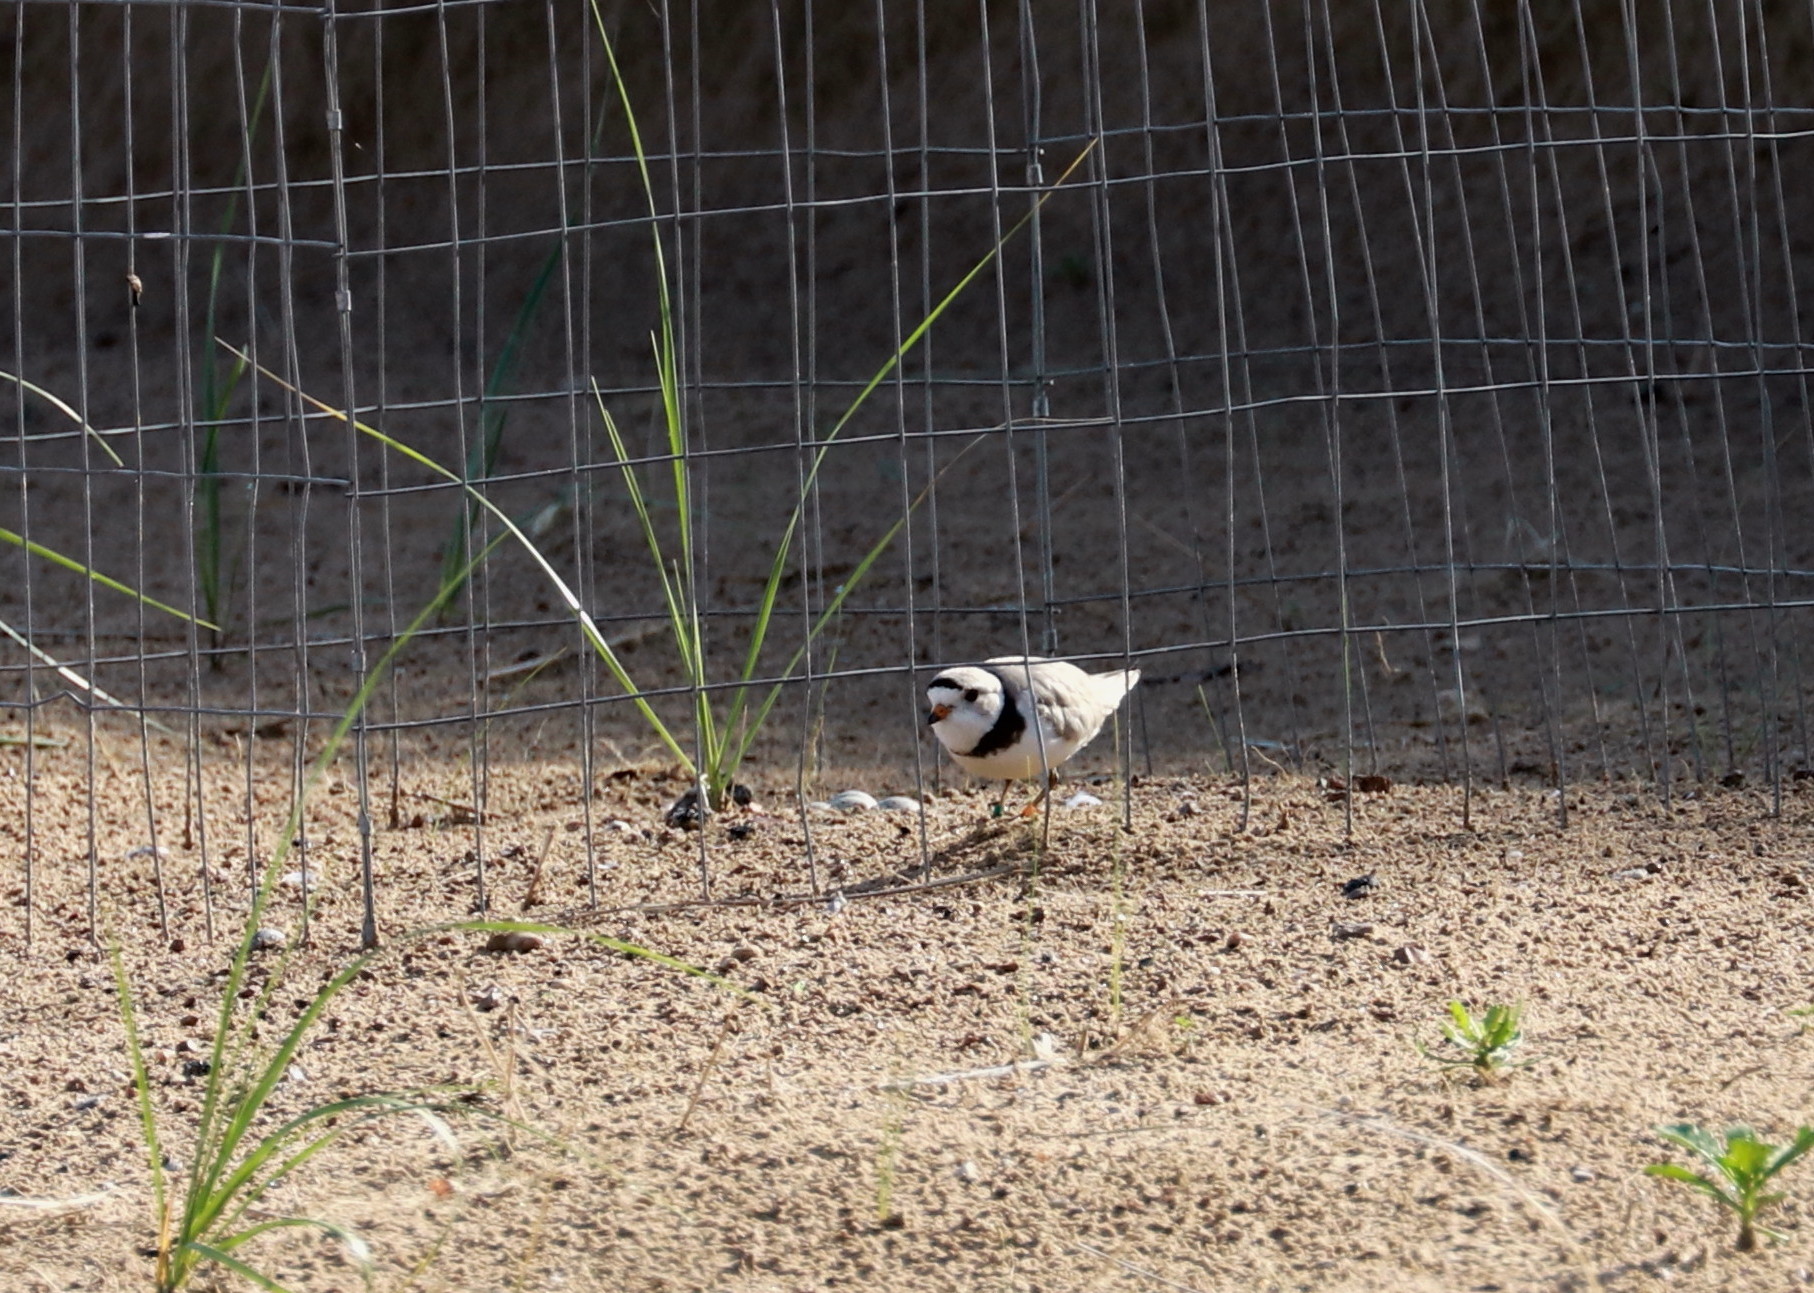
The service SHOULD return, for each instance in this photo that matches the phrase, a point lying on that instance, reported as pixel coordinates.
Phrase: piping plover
(995, 717)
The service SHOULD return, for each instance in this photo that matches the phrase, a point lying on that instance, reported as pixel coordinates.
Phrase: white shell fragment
(899, 804)
(1083, 799)
(853, 801)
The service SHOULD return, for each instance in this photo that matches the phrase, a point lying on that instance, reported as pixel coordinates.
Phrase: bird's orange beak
(937, 714)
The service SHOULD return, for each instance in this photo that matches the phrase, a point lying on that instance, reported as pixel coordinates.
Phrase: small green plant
(1742, 1165)
(1485, 1043)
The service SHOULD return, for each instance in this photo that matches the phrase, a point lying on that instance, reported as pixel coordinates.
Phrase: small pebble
(899, 804)
(853, 801)
(1360, 886)
(1083, 799)
(836, 903)
(1580, 1174)
(267, 939)
(1411, 954)
(486, 999)
(967, 1171)
(157, 851)
(1358, 930)
(297, 879)
(513, 940)
(687, 812)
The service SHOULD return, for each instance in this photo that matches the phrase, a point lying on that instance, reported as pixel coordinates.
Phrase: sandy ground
(1172, 1057)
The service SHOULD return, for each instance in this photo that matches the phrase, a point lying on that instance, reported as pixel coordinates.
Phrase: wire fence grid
(1409, 389)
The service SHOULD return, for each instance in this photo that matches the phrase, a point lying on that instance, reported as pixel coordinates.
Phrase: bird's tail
(1123, 680)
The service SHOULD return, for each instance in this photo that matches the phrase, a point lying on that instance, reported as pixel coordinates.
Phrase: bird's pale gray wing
(1069, 706)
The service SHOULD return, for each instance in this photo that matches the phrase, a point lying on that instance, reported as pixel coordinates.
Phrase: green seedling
(1742, 1165)
(1485, 1043)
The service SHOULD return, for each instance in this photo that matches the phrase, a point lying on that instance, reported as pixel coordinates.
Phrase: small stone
(1360, 929)
(76, 1084)
(1580, 1175)
(836, 903)
(1083, 799)
(177, 945)
(268, 939)
(486, 999)
(189, 1046)
(155, 851)
(514, 940)
(1360, 886)
(686, 812)
(1411, 954)
(899, 804)
(967, 1171)
(744, 952)
(304, 878)
(853, 801)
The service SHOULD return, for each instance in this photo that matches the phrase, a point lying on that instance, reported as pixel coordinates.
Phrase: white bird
(996, 718)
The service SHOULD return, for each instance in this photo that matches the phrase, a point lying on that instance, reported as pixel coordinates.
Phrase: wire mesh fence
(1410, 390)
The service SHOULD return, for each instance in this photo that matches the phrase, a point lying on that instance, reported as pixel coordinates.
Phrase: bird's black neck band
(1009, 724)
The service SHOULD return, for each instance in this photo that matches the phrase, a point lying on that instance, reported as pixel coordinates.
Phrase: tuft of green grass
(724, 739)
(1741, 1166)
(242, 1148)
(1484, 1043)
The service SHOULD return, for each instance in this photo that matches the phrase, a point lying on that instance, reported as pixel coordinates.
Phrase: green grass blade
(232, 1263)
(588, 627)
(639, 504)
(748, 732)
(141, 1081)
(68, 412)
(106, 581)
(482, 458)
(778, 568)
(70, 676)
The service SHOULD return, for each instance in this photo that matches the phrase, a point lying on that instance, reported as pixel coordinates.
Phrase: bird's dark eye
(970, 693)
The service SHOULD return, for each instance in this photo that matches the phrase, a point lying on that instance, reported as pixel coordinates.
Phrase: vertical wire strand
(135, 382)
(1102, 230)
(1222, 246)
(27, 585)
(355, 533)
(802, 433)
